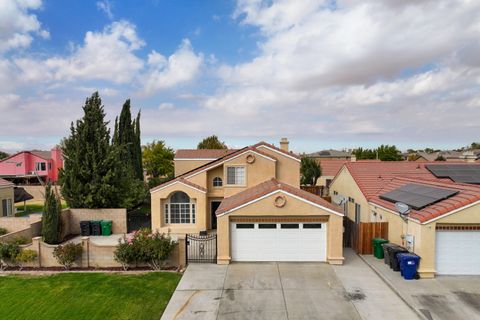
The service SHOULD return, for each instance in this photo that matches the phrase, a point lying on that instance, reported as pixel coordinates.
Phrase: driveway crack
(223, 290)
(283, 293)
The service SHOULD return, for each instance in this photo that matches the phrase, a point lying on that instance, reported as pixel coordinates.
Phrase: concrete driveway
(267, 291)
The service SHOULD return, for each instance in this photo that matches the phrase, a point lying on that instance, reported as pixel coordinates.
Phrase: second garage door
(457, 252)
(278, 241)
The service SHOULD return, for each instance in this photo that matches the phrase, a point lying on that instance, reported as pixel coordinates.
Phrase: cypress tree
(138, 149)
(51, 224)
(93, 176)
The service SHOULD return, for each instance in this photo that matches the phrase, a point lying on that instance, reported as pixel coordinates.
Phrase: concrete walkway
(372, 297)
(442, 298)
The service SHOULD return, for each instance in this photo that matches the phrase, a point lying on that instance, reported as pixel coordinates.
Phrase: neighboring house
(443, 226)
(331, 155)
(33, 165)
(252, 197)
(189, 159)
(452, 156)
(6, 198)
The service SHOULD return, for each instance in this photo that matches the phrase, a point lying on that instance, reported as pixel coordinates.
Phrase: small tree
(212, 142)
(67, 254)
(440, 158)
(158, 161)
(3, 155)
(51, 224)
(310, 171)
(8, 252)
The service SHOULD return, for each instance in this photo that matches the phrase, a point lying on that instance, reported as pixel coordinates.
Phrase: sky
(325, 74)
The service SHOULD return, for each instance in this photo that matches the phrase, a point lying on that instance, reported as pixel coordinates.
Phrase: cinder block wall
(118, 217)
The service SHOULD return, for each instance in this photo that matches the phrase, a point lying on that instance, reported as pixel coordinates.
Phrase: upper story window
(180, 209)
(217, 182)
(40, 166)
(236, 175)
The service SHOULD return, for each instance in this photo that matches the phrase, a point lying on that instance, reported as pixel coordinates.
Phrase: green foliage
(440, 158)
(8, 252)
(19, 240)
(51, 223)
(211, 142)
(383, 153)
(3, 231)
(67, 254)
(25, 256)
(475, 145)
(158, 161)
(310, 171)
(3, 155)
(144, 247)
(94, 175)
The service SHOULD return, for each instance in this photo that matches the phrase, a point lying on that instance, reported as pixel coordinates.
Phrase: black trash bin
(393, 251)
(85, 228)
(96, 228)
(386, 252)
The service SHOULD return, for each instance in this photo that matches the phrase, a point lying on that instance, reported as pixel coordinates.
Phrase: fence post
(36, 247)
(86, 251)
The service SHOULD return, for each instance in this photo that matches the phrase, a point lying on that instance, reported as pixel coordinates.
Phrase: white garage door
(458, 252)
(279, 241)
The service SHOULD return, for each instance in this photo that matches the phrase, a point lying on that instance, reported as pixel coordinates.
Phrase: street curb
(394, 289)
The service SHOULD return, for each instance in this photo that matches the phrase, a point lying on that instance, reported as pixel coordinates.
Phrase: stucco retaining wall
(118, 217)
(13, 224)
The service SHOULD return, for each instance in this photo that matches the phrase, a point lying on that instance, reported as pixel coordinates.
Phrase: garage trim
(280, 219)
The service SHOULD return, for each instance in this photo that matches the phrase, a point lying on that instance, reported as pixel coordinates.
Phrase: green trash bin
(377, 247)
(106, 227)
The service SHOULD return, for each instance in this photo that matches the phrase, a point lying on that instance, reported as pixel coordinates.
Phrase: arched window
(179, 209)
(217, 182)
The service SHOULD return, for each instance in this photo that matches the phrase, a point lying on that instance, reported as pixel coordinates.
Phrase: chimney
(353, 158)
(284, 144)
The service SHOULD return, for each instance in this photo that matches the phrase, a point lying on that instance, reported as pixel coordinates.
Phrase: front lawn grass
(86, 296)
(34, 206)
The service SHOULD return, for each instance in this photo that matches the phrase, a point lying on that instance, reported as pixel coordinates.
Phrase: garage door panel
(457, 252)
(279, 244)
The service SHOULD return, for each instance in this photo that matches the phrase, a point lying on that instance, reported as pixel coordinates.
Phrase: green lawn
(86, 296)
(33, 207)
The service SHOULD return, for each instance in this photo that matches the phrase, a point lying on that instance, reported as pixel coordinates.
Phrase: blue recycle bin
(408, 265)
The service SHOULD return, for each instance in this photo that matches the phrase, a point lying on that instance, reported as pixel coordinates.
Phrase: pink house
(33, 165)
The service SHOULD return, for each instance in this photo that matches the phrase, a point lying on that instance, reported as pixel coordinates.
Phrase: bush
(3, 231)
(145, 247)
(67, 254)
(24, 257)
(19, 240)
(125, 253)
(8, 252)
(51, 223)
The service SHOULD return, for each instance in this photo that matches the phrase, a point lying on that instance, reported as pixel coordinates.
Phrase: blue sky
(325, 74)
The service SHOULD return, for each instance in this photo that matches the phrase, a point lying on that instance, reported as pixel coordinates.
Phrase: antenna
(338, 199)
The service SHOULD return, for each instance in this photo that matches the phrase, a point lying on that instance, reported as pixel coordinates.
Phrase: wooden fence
(359, 235)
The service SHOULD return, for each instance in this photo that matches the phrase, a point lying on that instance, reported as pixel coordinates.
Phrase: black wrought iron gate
(201, 248)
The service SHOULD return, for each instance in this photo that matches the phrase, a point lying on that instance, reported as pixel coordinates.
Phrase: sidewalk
(445, 297)
(371, 296)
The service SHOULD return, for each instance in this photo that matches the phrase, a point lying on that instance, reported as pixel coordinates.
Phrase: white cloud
(181, 67)
(107, 55)
(166, 106)
(106, 7)
(18, 25)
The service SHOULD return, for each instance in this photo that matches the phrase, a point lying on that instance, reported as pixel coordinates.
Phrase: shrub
(8, 252)
(67, 254)
(3, 231)
(125, 253)
(19, 240)
(145, 247)
(24, 257)
(51, 223)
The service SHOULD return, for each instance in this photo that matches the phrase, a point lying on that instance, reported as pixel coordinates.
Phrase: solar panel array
(462, 173)
(418, 196)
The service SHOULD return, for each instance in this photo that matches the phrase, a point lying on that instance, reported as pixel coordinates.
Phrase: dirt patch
(470, 299)
(438, 305)
(230, 294)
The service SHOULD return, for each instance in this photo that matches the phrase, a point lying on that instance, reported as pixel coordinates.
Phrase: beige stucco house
(445, 232)
(251, 198)
(6, 198)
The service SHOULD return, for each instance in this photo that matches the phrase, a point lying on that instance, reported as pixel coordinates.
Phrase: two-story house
(251, 198)
(32, 165)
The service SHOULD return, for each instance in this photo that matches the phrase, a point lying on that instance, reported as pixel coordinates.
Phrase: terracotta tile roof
(331, 167)
(263, 143)
(5, 183)
(224, 158)
(181, 180)
(371, 176)
(267, 187)
(202, 153)
(467, 194)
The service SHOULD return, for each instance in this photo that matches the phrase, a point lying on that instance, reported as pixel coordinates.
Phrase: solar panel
(462, 173)
(418, 196)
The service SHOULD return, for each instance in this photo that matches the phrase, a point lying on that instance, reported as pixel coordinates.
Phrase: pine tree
(138, 149)
(94, 176)
(51, 224)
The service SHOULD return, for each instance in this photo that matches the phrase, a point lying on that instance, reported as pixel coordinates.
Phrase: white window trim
(167, 213)
(244, 178)
(9, 207)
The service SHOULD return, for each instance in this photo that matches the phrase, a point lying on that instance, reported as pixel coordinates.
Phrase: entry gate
(201, 248)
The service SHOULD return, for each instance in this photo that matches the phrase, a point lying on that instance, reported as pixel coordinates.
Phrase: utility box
(409, 242)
